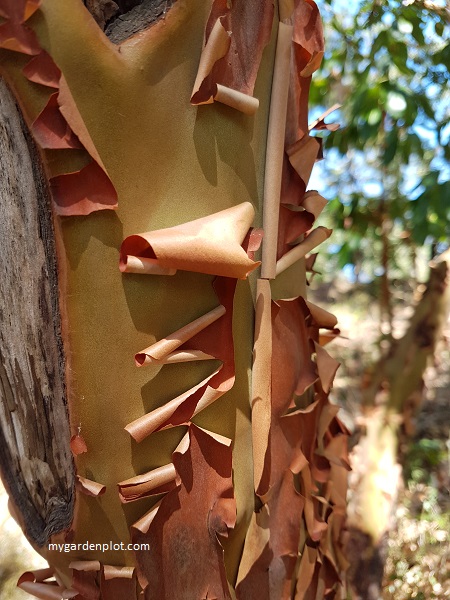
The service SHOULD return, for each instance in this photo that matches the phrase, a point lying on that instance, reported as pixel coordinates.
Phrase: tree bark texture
(34, 456)
(199, 385)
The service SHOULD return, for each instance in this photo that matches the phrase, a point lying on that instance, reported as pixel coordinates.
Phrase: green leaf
(391, 146)
(442, 57)
(417, 34)
(381, 41)
(439, 28)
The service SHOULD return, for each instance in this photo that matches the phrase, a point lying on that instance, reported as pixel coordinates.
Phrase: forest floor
(418, 564)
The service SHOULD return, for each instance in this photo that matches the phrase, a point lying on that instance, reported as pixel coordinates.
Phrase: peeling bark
(37, 468)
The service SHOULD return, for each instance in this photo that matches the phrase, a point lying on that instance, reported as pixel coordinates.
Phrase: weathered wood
(35, 459)
(102, 10)
(120, 19)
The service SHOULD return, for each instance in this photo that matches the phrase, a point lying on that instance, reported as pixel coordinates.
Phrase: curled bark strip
(261, 381)
(301, 150)
(89, 487)
(292, 225)
(314, 203)
(111, 572)
(326, 366)
(320, 124)
(189, 522)
(143, 525)
(157, 481)
(246, 104)
(167, 346)
(43, 591)
(147, 266)
(325, 337)
(37, 576)
(252, 241)
(14, 35)
(316, 237)
(274, 153)
(180, 410)
(308, 36)
(181, 356)
(19, 10)
(216, 47)
(215, 340)
(118, 583)
(235, 36)
(322, 317)
(211, 245)
(18, 38)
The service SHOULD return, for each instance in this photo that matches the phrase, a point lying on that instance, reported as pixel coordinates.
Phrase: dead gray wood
(120, 19)
(35, 459)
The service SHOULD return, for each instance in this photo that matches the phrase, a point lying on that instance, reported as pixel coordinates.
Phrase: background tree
(387, 167)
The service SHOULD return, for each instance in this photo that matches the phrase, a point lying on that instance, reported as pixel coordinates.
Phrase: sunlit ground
(16, 554)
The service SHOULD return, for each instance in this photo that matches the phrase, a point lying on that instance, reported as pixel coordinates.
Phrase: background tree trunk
(391, 397)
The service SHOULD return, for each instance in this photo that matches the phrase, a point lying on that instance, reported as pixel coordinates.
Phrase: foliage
(423, 456)
(388, 167)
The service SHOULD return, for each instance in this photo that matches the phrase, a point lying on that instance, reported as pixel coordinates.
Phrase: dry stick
(275, 150)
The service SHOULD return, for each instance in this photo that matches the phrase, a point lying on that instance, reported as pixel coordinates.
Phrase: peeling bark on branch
(36, 466)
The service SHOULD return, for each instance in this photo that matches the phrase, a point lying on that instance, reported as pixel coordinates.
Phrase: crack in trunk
(120, 19)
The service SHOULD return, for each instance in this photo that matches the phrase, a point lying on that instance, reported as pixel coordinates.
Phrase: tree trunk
(32, 367)
(391, 397)
(223, 417)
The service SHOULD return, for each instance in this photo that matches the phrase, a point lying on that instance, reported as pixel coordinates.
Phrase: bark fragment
(188, 524)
